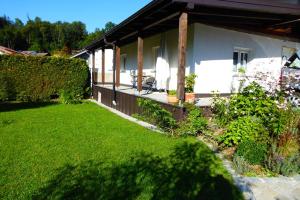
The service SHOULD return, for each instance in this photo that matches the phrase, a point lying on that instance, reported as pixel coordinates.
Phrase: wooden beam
(140, 61)
(162, 20)
(274, 7)
(103, 66)
(182, 43)
(118, 60)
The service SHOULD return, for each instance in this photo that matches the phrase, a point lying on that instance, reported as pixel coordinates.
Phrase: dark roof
(266, 16)
(8, 51)
(34, 53)
(79, 54)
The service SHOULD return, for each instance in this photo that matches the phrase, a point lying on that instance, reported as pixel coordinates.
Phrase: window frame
(240, 61)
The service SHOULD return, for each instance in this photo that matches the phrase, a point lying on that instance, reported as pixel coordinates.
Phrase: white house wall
(213, 56)
(209, 55)
(168, 43)
(98, 64)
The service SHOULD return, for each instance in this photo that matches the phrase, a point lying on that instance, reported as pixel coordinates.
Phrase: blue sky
(94, 13)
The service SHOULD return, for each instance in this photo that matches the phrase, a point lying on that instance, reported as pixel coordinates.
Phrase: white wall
(98, 64)
(213, 56)
(168, 58)
(209, 55)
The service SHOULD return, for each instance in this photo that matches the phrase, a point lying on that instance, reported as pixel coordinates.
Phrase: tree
(44, 36)
(98, 33)
(109, 26)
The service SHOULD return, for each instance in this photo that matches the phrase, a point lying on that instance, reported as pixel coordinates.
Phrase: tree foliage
(44, 36)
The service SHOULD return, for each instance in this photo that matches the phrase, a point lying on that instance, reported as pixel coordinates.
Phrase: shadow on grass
(191, 171)
(14, 106)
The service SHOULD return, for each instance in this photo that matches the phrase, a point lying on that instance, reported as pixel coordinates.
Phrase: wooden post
(103, 66)
(182, 42)
(93, 68)
(140, 63)
(118, 70)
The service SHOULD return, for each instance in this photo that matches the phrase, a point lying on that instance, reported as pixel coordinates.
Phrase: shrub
(70, 97)
(280, 164)
(39, 78)
(190, 81)
(252, 101)
(240, 164)
(253, 152)
(291, 124)
(154, 113)
(243, 129)
(194, 123)
(172, 93)
(220, 110)
(6, 88)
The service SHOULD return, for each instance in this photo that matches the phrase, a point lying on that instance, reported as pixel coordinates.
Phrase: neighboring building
(34, 53)
(168, 39)
(108, 63)
(8, 51)
(83, 54)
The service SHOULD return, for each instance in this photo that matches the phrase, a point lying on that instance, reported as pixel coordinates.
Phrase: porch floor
(158, 96)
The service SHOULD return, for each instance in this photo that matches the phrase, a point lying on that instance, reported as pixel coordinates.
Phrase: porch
(136, 48)
(125, 100)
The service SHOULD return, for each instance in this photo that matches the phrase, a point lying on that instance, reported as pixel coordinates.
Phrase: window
(240, 58)
(123, 62)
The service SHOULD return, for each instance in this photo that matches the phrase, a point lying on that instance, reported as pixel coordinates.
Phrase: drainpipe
(113, 45)
(91, 73)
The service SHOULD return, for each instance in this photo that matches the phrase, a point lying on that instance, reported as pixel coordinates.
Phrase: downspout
(91, 73)
(113, 45)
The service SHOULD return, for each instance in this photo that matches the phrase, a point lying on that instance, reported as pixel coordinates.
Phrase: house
(94, 61)
(34, 53)
(168, 39)
(8, 51)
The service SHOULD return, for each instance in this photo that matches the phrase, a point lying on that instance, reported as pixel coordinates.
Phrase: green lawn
(54, 151)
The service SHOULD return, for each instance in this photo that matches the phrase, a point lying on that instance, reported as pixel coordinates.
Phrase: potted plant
(190, 81)
(172, 98)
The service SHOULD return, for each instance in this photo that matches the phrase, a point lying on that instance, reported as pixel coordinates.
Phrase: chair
(133, 78)
(150, 84)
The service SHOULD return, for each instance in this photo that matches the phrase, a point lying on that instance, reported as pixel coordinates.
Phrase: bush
(253, 152)
(38, 78)
(70, 97)
(280, 164)
(252, 101)
(190, 81)
(154, 113)
(240, 164)
(172, 92)
(243, 129)
(6, 88)
(220, 110)
(194, 123)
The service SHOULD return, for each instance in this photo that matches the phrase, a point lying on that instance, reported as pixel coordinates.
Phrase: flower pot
(172, 99)
(190, 97)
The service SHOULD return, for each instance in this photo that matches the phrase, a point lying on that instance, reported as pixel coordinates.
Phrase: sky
(94, 13)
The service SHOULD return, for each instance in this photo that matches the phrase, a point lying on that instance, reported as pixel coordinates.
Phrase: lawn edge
(129, 118)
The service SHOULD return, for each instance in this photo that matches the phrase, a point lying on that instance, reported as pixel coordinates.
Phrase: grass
(55, 151)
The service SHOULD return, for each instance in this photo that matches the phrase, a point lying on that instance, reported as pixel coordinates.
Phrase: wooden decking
(126, 100)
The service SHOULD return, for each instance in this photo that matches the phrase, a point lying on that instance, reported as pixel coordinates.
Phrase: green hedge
(40, 78)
